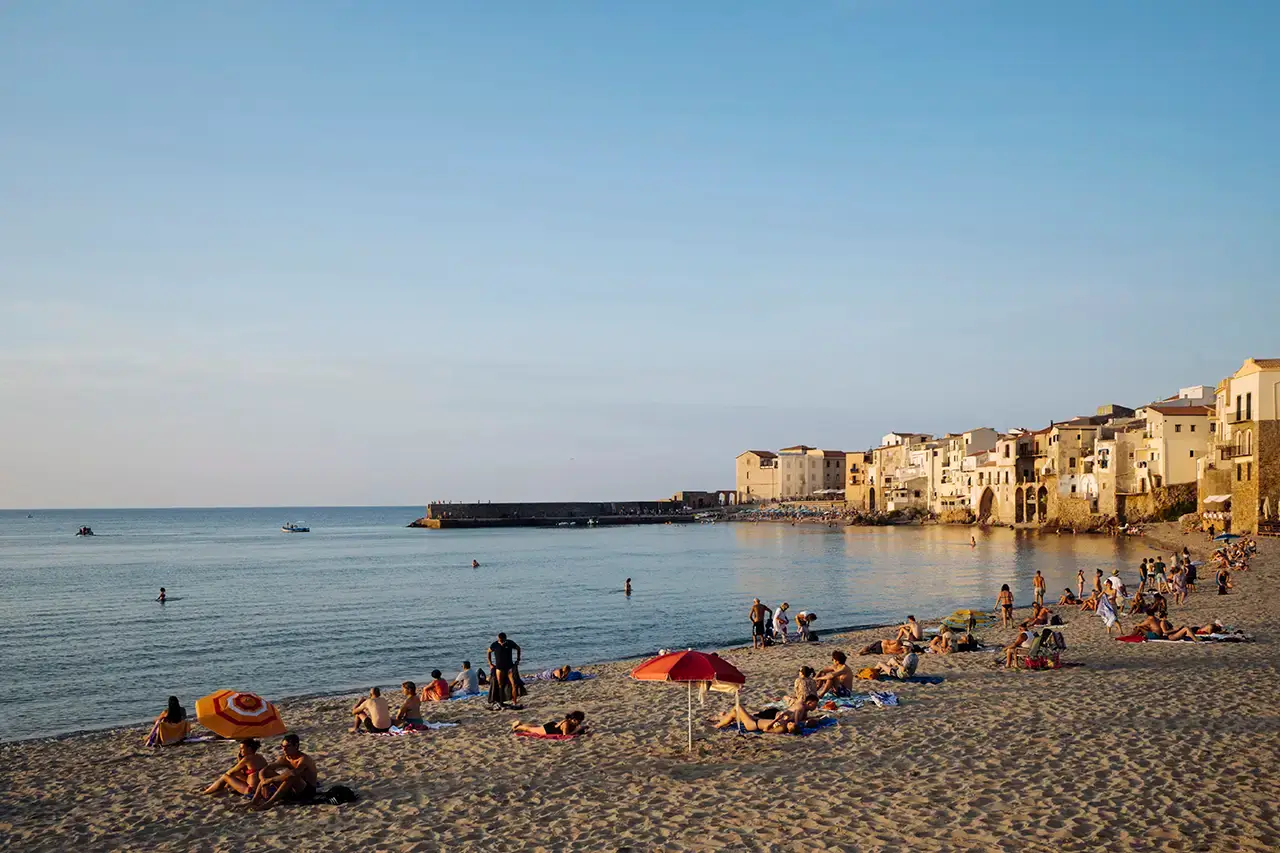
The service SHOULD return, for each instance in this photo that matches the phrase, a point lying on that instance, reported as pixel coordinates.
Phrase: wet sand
(1147, 746)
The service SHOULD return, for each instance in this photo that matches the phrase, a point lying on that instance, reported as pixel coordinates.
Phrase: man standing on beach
(757, 624)
(504, 661)
(1039, 586)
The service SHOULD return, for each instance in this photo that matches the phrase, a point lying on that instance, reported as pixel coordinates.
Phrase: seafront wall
(550, 514)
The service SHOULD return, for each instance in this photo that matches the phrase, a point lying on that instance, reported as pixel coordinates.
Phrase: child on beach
(1004, 603)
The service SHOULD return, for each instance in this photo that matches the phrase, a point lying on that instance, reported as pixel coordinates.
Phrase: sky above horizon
(333, 253)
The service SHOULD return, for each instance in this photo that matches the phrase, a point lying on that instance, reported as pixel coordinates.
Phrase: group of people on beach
(774, 626)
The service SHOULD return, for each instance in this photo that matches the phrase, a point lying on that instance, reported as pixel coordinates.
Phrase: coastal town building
(857, 465)
(807, 472)
(757, 476)
(1239, 475)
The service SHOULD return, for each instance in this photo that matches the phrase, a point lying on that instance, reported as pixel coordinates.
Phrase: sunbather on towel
(1171, 633)
(372, 713)
(566, 673)
(770, 721)
(910, 630)
(410, 713)
(943, 643)
(837, 678)
(436, 690)
(886, 647)
(1214, 627)
(805, 683)
(243, 777)
(903, 667)
(1039, 616)
(571, 724)
(172, 726)
(1068, 597)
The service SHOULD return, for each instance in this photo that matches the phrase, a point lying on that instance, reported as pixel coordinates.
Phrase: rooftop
(1196, 411)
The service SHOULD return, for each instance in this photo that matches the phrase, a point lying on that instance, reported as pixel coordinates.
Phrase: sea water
(363, 600)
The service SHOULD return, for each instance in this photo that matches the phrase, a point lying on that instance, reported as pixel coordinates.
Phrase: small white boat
(294, 528)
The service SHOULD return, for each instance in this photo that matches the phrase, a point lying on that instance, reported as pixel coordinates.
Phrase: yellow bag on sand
(867, 674)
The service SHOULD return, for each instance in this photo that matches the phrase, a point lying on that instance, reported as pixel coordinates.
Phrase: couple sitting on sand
(372, 714)
(949, 641)
(290, 778)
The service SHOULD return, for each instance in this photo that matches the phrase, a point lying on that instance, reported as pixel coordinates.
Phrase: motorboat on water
(290, 527)
(85, 531)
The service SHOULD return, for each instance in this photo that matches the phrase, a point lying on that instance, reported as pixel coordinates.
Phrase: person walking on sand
(757, 624)
(1038, 582)
(1004, 603)
(1079, 583)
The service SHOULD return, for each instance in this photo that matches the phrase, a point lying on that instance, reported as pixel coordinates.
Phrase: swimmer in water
(160, 598)
(627, 587)
(973, 542)
(475, 564)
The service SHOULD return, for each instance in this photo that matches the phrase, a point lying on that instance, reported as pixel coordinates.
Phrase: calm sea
(363, 600)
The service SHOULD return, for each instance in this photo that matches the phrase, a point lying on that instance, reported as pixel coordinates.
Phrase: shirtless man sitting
(372, 713)
(290, 778)
(1039, 616)
(1020, 644)
(886, 647)
(910, 630)
(791, 721)
(837, 678)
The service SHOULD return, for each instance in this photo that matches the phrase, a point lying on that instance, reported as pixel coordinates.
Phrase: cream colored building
(757, 476)
(1239, 476)
(807, 472)
(1175, 438)
(857, 469)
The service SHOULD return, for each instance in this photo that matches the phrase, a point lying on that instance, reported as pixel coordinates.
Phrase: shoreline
(717, 645)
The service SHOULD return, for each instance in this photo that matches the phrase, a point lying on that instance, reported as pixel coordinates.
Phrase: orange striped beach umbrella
(238, 715)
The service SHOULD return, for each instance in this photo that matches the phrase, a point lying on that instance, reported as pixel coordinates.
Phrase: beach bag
(1059, 641)
(340, 794)
(1055, 619)
(867, 674)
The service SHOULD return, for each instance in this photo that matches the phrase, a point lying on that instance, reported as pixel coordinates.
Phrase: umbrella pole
(691, 716)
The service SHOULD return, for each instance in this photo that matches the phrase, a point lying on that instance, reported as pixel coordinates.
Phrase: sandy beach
(1147, 746)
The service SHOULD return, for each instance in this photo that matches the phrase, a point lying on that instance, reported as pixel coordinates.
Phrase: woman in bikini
(1004, 602)
(243, 777)
(570, 725)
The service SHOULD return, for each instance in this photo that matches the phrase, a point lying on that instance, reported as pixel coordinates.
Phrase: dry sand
(1144, 747)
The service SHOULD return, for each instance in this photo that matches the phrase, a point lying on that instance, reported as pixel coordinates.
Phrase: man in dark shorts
(291, 778)
(758, 623)
(504, 661)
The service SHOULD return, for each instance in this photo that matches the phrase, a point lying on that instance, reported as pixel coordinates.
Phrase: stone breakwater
(572, 514)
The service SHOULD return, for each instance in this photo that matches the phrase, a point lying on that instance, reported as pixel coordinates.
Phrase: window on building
(1248, 406)
(1073, 488)
(917, 493)
(1071, 462)
(1239, 471)
(1191, 453)
(1177, 427)
(1193, 427)
(1213, 427)
(1248, 470)
(1237, 407)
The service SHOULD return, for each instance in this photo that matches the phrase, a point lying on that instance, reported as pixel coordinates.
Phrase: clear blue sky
(377, 253)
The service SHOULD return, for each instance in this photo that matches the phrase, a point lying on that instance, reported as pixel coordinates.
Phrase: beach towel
(413, 729)
(543, 736)
(1106, 611)
(1132, 638)
(458, 697)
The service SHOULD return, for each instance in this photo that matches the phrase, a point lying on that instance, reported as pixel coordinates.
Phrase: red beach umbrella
(692, 668)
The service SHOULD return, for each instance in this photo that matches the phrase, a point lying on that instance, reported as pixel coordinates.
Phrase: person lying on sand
(967, 643)
(372, 713)
(942, 644)
(910, 630)
(1068, 597)
(1214, 627)
(903, 667)
(571, 724)
(771, 721)
(243, 777)
(837, 678)
(410, 713)
(290, 778)
(566, 673)
(886, 647)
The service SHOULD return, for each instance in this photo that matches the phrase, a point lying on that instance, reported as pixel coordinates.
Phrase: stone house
(756, 478)
(1239, 475)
